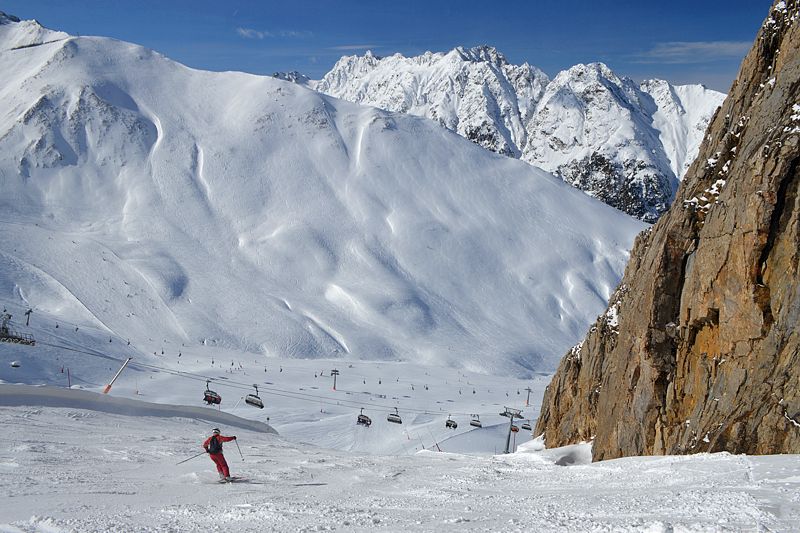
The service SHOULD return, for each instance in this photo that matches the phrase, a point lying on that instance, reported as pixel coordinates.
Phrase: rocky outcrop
(620, 142)
(698, 350)
(474, 92)
(293, 76)
(16, 34)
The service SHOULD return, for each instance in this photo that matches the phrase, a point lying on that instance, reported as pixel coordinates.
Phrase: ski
(239, 479)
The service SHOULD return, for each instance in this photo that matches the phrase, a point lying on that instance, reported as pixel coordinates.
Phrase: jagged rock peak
(483, 53)
(592, 71)
(597, 131)
(5, 18)
(368, 58)
(699, 350)
(16, 33)
(293, 76)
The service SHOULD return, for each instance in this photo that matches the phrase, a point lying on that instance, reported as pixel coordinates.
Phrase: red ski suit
(218, 458)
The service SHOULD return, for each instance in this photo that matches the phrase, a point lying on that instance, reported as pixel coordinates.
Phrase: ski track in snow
(65, 469)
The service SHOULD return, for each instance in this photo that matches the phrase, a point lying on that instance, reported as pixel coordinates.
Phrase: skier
(213, 446)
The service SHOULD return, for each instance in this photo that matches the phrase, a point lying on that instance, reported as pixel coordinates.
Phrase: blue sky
(681, 41)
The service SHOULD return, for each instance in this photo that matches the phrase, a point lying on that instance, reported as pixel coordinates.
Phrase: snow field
(248, 231)
(298, 396)
(67, 469)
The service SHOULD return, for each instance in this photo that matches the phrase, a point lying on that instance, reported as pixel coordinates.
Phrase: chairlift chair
(526, 426)
(394, 417)
(253, 399)
(475, 422)
(363, 420)
(450, 423)
(211, 397)
(7, 334)
(514, 429)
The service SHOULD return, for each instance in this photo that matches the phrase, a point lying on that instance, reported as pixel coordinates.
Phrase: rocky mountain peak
(595, 130)
(293, 76)
(5, 18)
(698, 350)
(16, 33)
(357, 64)
(483, 53)
(588, 72)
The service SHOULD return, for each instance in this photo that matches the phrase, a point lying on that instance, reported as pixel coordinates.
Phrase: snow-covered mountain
(158, 202)
(625, 144)
(474, 92)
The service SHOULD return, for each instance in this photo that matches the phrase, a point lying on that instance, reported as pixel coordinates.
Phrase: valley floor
(66, 469)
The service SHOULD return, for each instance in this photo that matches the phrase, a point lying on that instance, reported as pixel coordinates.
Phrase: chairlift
(253, 399)
(450, 423)
(506, 414)
(211, 397)
(514, 429)
(394, 417)
(526, 426)
(7, 334)
(476, 422)
(363, 420)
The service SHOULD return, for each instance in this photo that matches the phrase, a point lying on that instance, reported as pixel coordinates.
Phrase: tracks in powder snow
(112, 472)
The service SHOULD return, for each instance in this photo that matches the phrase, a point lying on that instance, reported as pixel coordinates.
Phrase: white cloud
(249, 33)
(694, 51)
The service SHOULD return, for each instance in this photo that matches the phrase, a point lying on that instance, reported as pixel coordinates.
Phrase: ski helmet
(215, 431)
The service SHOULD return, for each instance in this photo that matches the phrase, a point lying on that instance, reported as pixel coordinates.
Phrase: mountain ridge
(597, 131)
(243, 211)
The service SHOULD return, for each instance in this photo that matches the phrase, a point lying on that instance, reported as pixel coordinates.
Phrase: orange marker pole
(108, 387)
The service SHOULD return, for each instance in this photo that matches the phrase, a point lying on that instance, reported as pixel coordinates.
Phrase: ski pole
(190, 458)
(240, 450)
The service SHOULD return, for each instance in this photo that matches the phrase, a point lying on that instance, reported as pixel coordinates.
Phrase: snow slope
(17, 395)
(152, 201)
(681, 116)
(625, 144)
(69, 469)
(298, 396)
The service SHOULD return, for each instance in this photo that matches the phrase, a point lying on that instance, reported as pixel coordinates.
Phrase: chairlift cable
(275, 391)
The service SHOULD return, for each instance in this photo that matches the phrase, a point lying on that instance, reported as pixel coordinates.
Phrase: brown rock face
(699, 348)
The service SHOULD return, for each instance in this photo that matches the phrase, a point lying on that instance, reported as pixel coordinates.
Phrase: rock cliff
(698, 349)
